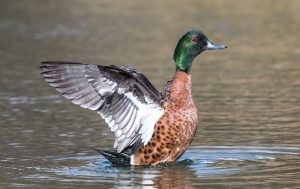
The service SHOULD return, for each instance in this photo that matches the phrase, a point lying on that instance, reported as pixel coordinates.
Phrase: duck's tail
(114, 157)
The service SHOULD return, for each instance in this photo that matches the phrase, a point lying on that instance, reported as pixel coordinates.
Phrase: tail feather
(114, 157)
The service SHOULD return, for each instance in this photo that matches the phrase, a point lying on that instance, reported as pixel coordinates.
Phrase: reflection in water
(177, 177)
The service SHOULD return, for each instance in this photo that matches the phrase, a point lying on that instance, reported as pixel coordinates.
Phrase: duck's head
(191, 45)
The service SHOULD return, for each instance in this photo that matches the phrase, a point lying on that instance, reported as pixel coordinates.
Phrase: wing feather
(123, 123)
(131, 123)
(123, 97)
(119, 117)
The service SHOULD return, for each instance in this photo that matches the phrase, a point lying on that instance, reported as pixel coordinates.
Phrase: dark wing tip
(57, 62)
(51, 64)
(48, 64)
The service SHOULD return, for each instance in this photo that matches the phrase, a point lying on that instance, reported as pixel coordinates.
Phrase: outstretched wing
(124, 98)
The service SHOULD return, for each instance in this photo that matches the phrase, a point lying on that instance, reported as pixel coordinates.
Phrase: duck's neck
(180, 88)
(182, 58)
(183, 63)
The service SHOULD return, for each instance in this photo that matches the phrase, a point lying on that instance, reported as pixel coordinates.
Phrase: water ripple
(198, 162)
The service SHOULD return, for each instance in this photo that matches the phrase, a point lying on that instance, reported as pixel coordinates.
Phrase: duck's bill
(214, 46)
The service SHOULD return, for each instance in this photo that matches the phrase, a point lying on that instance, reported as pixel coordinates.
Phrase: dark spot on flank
(153, 143)
(155, 156)
(150, 150)
(146, 157)
(170, 145)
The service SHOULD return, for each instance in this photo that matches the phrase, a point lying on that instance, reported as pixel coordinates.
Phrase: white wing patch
(148, 115)
(136, 121)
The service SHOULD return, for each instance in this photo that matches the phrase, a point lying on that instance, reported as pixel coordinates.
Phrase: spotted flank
(149, 127)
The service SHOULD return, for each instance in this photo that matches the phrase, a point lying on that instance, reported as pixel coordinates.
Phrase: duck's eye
(195, 39)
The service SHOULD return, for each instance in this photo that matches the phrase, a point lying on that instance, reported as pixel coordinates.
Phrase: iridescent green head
(191, 45)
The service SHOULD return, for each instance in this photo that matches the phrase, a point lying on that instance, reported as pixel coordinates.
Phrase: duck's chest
(177, 99)
(180, 118)
(174, 131)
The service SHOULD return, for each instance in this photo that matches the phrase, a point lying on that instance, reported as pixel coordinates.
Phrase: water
(248, 95)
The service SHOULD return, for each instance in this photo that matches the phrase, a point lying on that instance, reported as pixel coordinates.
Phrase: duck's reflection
(175, 177)
(164, 177)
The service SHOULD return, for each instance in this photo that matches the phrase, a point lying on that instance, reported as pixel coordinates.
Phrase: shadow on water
(198, 162)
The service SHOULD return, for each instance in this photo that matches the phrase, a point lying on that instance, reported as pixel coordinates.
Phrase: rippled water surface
(248, 95)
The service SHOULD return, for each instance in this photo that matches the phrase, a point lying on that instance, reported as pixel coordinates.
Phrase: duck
(150, 127)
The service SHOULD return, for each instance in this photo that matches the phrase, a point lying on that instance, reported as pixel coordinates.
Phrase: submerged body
(149, 127)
